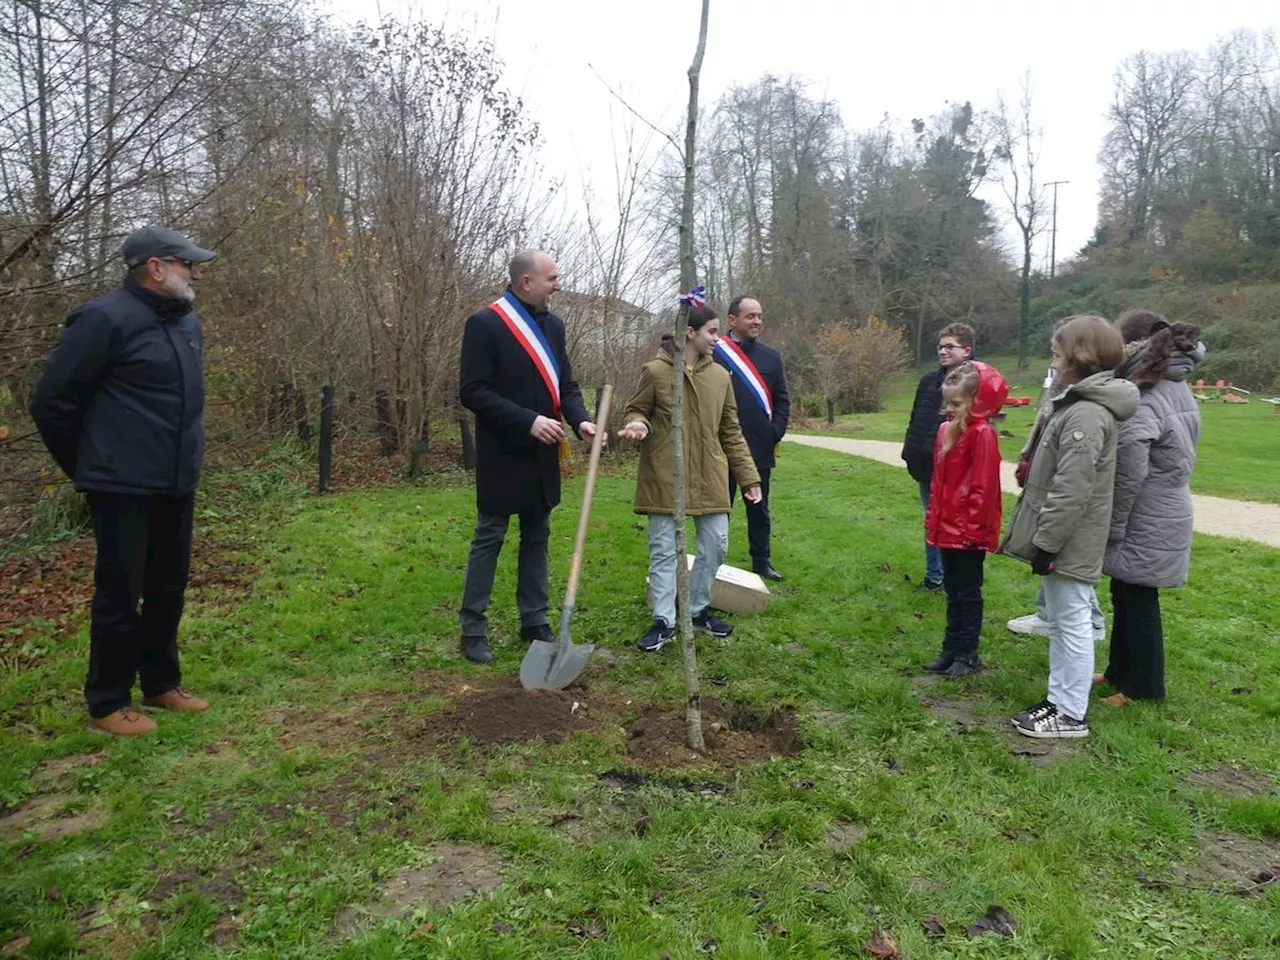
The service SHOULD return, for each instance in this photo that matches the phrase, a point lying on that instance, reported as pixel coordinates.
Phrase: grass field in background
(1239, 452)
(283, 822)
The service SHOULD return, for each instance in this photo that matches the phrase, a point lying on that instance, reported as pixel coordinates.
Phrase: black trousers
(144, 554)
(759, 523)
(533, 586)
(962, 580)
(1136, 667)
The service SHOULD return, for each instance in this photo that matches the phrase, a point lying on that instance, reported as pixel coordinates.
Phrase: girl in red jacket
(965, 506)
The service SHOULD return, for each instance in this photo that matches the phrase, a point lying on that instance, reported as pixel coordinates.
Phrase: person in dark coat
(120, 407)
(1149, 545)
(516, 378)
(764, 408)
(955, 346)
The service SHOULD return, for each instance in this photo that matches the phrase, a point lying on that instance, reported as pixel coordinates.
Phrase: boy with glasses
(955, 346)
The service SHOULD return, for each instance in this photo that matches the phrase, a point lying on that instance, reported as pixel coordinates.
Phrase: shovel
(553, 666)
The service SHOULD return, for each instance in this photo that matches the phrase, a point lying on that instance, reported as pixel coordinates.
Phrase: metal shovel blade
(553, 666)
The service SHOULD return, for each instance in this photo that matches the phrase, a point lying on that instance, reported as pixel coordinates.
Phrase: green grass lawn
(1239, 444)
(259, 829)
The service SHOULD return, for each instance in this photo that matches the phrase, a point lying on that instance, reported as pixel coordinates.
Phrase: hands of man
(546, 430)
(587, 431)
(635, 430)
(752, 493)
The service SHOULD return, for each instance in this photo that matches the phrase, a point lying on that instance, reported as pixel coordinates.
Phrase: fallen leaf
(801, 784)
(882, 945)
(642, 826)
(422, 929)
(818, 887)
(502, 928)
(771, 838)
(559, 818)
(775, 928)
(708, 945)
(934, 928)
(995, 920)
(54, 894)
(17, 944)
(885, 568)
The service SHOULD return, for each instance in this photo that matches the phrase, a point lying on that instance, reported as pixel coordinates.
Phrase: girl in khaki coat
(713, 445)
(1062, 519)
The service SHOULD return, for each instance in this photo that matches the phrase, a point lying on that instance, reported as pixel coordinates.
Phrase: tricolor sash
(530, 337)
(741, 364)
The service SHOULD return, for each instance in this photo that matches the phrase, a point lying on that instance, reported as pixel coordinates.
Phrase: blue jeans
(932, 555)
(713, 544)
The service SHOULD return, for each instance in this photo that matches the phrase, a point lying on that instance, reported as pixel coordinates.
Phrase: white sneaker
(1032, 625)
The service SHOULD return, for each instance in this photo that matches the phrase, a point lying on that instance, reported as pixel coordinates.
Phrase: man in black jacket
(764, 407)
(955, 346)
(516, 378)
(119, 407)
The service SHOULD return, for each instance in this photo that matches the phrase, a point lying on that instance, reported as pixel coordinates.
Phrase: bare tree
(1017, 148)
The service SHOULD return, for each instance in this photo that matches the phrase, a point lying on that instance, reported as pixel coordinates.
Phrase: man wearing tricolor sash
(764, 406)
(516, 378)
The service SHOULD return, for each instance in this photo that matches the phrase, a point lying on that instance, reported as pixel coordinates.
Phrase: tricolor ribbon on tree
(740, 364)
(530, 336)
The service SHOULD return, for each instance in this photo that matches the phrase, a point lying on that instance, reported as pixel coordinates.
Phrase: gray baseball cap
(147, 242)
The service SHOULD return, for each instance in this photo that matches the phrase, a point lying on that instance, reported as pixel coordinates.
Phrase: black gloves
(1042, 563)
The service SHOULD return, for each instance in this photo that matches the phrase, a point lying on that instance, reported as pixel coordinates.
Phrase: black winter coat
(926, 416)
(121, 400)
(762, 434)
(499, 384)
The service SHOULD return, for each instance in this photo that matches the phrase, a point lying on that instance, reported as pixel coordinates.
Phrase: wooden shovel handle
(580, 541)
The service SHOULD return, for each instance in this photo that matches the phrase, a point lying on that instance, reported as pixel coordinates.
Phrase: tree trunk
(684, 617)
(1024, 304)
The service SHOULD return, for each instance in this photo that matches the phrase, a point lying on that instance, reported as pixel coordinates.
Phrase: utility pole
(1053, 233)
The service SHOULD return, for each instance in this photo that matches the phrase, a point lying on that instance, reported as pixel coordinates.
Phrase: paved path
(1239, 519)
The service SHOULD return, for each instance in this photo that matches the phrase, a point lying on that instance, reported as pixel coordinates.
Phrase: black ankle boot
(964, 666)
(945, 659)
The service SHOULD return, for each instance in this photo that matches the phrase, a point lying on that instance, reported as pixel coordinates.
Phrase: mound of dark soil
(505, 712)
(734, 737)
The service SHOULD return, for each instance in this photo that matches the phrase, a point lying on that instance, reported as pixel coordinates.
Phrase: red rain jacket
(965, 505)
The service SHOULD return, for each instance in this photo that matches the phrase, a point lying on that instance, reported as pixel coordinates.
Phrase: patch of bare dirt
(504, 712)
(1229, 863)
(844, 835)
(223, 932)
(47, 817)
(371, 715)
(734, 736)
(58, 773)
(219, 885)
(456, 873)
(1233, 782)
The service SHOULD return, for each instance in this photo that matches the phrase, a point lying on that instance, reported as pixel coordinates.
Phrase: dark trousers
(532, 583)
(1137, 641)
(144, 554)
(962, 580)
(759, 523)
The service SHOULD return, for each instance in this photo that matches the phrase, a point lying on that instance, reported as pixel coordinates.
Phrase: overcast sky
(904, 58)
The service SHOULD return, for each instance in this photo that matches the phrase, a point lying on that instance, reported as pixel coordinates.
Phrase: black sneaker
(928, 586)
(659, 635)
(711, 624)
(540, 631)
(945, 659)
(1050, 724)
(1035, 710)
(963, 667)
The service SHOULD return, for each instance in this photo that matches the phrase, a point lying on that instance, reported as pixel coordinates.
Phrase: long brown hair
(961, 383)
(1148, 366)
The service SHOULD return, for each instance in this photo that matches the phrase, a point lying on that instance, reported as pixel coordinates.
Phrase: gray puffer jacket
(1065, 508)
(1151, 519)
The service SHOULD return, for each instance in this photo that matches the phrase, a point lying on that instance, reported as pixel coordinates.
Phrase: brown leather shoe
(125, 722)
(1116, 700)
(179, 698)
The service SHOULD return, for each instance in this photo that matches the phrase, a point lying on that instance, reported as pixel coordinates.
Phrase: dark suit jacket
(499, 384)
(762, 433)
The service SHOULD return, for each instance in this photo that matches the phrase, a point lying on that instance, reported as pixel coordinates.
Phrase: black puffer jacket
(121, 400)
(926, 416)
